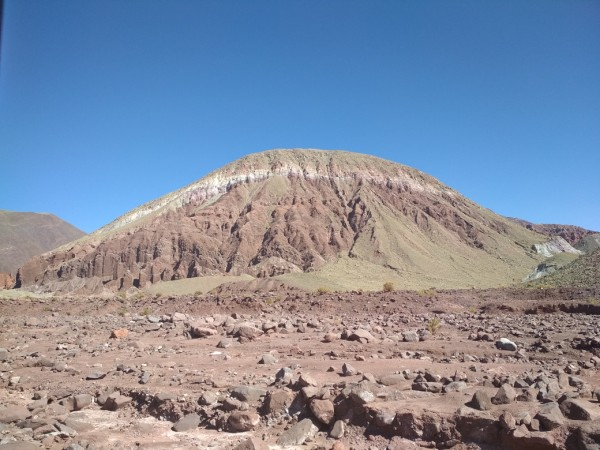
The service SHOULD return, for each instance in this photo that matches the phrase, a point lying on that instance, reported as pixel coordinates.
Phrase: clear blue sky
(105, 105)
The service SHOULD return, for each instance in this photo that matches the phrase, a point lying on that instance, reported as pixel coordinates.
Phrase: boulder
(13, 413)
(578, 409)
(186, 423)
(550, 416)
(298, 434)
(480, 401)
(323, 410)
(240, 421)
(506, 344)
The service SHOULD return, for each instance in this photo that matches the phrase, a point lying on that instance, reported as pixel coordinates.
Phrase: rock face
(24, 235)
(286, 211)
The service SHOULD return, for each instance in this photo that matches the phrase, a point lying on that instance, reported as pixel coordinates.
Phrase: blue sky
(105, 105)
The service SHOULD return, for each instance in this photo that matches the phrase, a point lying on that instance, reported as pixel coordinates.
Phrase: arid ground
(288, 369)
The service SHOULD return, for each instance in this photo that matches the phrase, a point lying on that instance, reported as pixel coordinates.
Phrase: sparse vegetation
(323, 290)
(431, 292)
(273, 300)
(146, 311)
(434, 325)
(388, 286)
(593, 301)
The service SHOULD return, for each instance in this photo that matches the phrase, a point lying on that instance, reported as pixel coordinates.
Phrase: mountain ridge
(26, 234)
(299, 214)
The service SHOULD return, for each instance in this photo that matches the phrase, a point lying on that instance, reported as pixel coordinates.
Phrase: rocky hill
(584, 272)
(24, 235)
(307, 217)
(570, 233)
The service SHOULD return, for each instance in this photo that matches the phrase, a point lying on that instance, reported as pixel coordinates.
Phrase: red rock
(119, 333)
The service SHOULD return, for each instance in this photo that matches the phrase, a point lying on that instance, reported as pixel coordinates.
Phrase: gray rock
(505, 395)
(550, 416)
(392, 380)
(338, 430)
(248, 393)
(208, 398)
(577, 409)
(81, 401)
(506, 344)
(348, 370)
(251, 444)
(95, 375)
(116, 401)
(145, 377)
(13, 413)
(3, 354)
(300, 433)
(306, 380)
(362, 336)
(19, 446)
(267, 358)
(284, 375)
(198, 331)
(410, 336)
(224, 343)
(187, 423)
(455, 386)
(481, 401)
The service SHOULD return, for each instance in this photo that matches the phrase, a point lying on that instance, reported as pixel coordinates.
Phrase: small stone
(267, 358)
(145, 377)
(348, 370)
(506, 344)
(455, 386)
(410, 336)
(338, 430)
(95, 375)
(119, 333)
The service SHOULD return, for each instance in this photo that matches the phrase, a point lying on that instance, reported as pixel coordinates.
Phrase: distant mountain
(570, 233)
(307, 217)
(24, 235)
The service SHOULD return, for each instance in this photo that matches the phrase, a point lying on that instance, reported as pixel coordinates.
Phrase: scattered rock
(186, 423)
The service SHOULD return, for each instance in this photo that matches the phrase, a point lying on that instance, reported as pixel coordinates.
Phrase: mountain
(24, 235)
(308, 217)
(570, 233)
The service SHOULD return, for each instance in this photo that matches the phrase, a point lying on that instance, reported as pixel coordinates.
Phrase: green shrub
(323, 290)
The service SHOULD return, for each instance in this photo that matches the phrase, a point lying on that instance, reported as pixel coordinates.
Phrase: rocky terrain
(570, 233)
(304, 216)
(24, 235)
(467, 369)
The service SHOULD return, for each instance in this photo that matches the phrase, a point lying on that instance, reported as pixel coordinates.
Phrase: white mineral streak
(216, 184)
